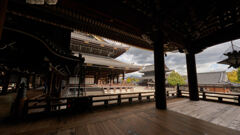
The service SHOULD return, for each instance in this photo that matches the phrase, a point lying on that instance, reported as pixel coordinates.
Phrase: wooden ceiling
(186, 25)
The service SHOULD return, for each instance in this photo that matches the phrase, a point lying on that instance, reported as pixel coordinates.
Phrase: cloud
(134, 74)
(206, 61)
(137, 56)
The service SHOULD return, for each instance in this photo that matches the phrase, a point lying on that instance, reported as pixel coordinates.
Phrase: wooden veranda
(140, 119)
(158, 25)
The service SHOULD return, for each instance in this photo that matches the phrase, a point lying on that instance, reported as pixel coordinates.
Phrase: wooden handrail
(206, 95)
(56, 102)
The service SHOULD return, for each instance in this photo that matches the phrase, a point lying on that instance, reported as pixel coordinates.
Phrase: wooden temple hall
(50, 41)
(100, 66)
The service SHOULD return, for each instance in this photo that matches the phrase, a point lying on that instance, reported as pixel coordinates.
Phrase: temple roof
(150, 68)
(106, 62)
(87, 43)
(212, 78)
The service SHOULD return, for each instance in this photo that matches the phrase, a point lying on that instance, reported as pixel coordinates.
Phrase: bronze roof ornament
(233, 55)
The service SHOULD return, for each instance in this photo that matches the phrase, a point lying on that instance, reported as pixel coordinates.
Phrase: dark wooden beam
(160, 90)
(192, 76)
(3, 8)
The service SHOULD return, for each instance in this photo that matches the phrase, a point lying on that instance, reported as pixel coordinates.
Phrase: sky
(206, 60)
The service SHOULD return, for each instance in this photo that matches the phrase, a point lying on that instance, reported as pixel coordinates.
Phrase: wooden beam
(3, 8)
(192, 77)
(160, 90)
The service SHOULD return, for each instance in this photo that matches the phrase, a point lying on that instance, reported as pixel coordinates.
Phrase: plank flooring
(135, 119)
(217, 113)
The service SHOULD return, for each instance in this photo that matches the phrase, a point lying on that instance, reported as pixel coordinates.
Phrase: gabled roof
(106, 62)
(212, 78)
(150, 68)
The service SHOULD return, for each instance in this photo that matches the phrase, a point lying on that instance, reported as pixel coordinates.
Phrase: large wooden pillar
(160, 90)
(117, 79)
(33, 81)
(50, 83)
(3, 9)
(18, 110)
(192, 76)
(28, 81)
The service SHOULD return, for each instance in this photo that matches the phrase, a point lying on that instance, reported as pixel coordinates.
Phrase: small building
(148, 78)
(214, 81)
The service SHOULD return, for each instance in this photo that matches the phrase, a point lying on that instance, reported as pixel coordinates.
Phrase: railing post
(90, 102)
(48, 109)
(179, 94)
(26, 107)
(239, 100)
(148, 98)
(140, 97)
(167, 93)
(119, 99)
(203, 95)
(68, 104)
(106, 103)
(130, 100)
(220, 99)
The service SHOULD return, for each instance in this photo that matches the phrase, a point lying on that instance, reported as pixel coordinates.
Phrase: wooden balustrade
(57, 104)
(215, 96)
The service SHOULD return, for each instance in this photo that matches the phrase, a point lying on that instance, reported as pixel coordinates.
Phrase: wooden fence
(229, 98)
(88, 102)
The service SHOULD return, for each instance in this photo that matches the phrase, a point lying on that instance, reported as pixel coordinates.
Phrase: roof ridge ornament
(233, 57)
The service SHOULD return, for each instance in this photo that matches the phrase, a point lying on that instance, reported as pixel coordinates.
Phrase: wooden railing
(88, 102)
(213, 96)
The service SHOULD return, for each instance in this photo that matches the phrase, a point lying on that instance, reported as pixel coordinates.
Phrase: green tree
(234, 76)
(174, 78)
(238, 74)
(132, 80)
(129, 80)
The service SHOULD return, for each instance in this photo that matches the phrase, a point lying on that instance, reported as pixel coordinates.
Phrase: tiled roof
(151, 68)
(212, 78)
(109, 62)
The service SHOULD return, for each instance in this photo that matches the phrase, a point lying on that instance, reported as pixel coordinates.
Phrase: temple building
(148, 78)
(38, 40)
(100, 66)
(214, 81)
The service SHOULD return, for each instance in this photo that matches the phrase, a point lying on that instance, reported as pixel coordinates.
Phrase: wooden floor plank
(217, 113)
